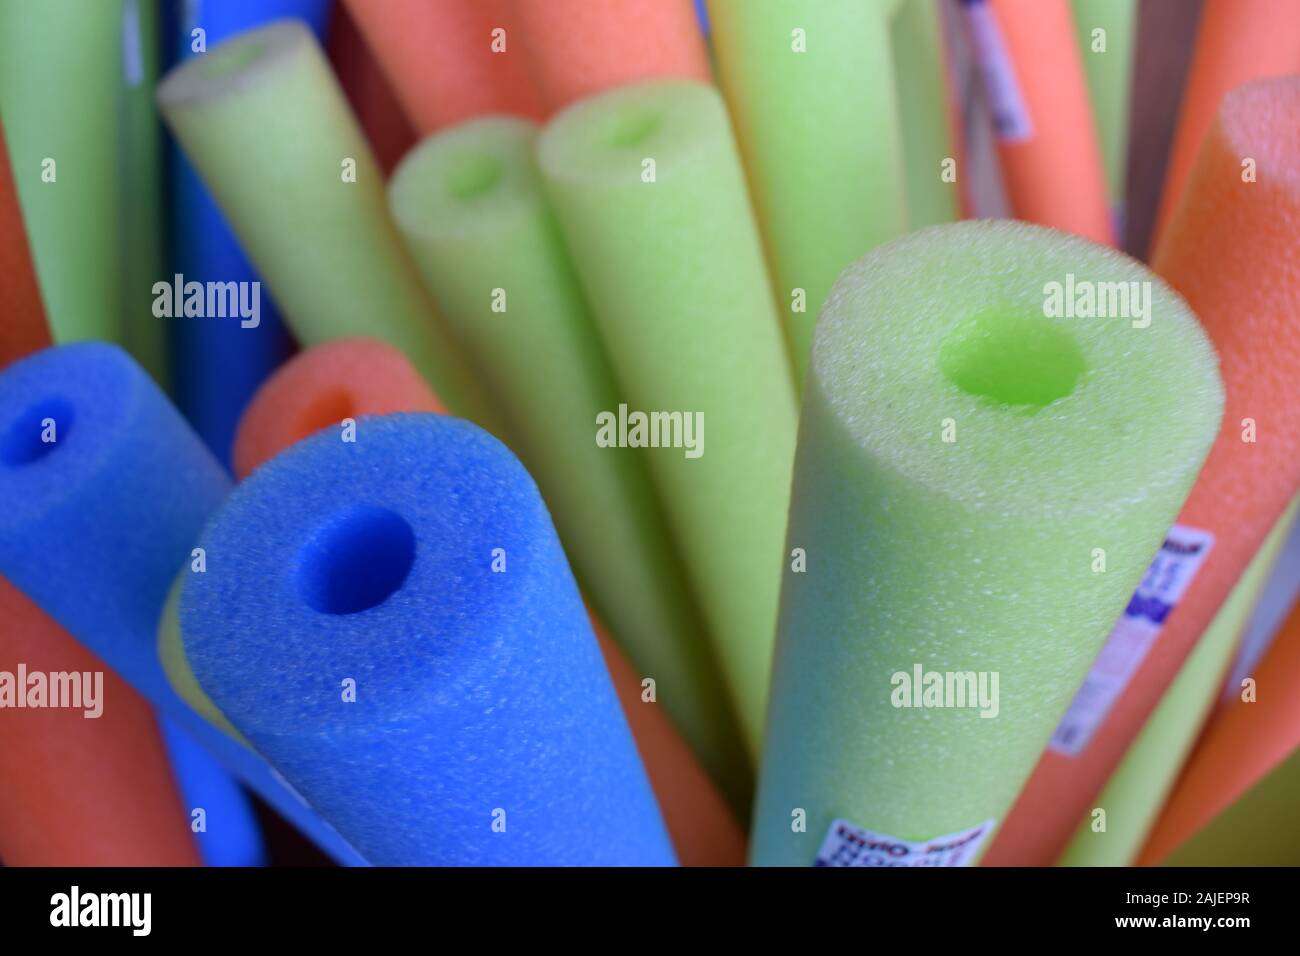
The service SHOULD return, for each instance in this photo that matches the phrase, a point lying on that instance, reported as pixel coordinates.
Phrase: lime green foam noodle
(923, 111)
(1110, 78)
(471, 208)
(818, 127)
(264, 122)
(141, 183)
(649, 194)
(1137, 789)
(60, 67)
(979, 487)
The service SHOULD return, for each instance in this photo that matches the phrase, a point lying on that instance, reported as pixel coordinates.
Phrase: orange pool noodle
(1233, 251)
(23, 328)
(81, 791)
(1051, 158)
(578, 47)
(369, 93)
(1237, 41)
(438, 56)
(348, 378)
(1241, 747)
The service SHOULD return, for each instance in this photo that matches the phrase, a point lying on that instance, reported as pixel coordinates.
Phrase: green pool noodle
(1110, 80)
(60, 70)
(924, 112)
(143, 334)
(470, 205)
(820, 135)
(1136, 791)
(1258, 829)
(264, 122)
(673, 272)
(962, 457)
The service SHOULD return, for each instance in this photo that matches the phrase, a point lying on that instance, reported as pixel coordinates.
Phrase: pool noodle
(471, 208)
(99, 522)
(81, 791)
(372, 100)
(820, 135)
(1230, 252)
(1049, 138)
(141, 223)
(1237, 41)
(58, 98)
(263, 120)
(925, 113)
(1235, 802)
(975, 554)
(1137, 789)
(1110, 77)
(363, 377)
(575, 48)
(667, 303)
(391, 540)
(439, 57)
(219, 363)
(24, 328)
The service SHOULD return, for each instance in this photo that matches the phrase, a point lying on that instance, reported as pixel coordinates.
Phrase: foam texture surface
(1110, 77)
(440, 58)
(1136, 791)
(819, 132)
(471, 207)
(266, 125)
(1231, 252)
(345, 378)
(687, 319)
(99, 521)
(219, 363)
(575, 48)
(973, 554)
(58, 97)
(24, 328)
(476, 690)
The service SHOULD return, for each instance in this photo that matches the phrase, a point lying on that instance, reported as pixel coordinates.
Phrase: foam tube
(1110, 76)
(667, 303)
(345, 378)
(58, 97)
(373, 101)
(355, 377)
(925, 112)
(575, 48)
(1235, 802)
(501, 742)
(445, 60)
(1237, 41)
(961, 458)
(219, 363)
(81, 791)
(470, 205)
(264, 122)
(1137, 789)
(24, 329)
(1038, 93)
(1229, 251)
(141, 221)
(818, 126)
(103, 517)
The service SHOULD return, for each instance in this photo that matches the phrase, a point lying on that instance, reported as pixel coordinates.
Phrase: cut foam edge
(929, 326)
(235, 65)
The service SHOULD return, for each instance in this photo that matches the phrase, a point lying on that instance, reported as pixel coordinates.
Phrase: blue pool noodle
(481, 696)
(218, 364)
(96, 525)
